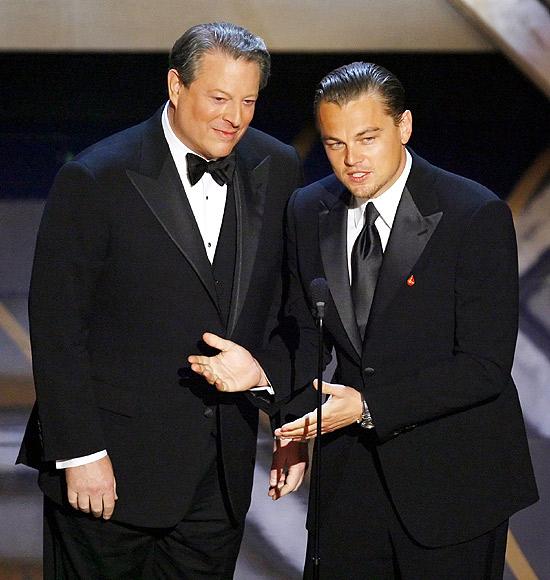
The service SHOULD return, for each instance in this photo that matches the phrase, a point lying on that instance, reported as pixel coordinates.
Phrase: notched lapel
(250, 188)
(410, 233)
(166, 198)
(333, 244)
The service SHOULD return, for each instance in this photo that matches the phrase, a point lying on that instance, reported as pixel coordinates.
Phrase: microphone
(319, 296)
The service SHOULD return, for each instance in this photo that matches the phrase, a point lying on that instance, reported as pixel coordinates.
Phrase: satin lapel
(167, 200)
(333, 244)
(410, 233)
(250, 193)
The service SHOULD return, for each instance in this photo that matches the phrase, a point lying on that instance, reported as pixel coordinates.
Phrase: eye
(219, 99)
(334, 145)
(249, 102)
(367, 140)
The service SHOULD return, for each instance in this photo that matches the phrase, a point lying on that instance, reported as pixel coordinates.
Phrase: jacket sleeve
(291, 361)
(70, 252)
(485, 331)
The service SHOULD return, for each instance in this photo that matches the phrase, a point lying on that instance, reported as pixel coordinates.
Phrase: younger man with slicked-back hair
(424, 453)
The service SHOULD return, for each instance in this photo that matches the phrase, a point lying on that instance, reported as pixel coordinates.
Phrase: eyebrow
(251, 96)
(368, 130)
(360, 134)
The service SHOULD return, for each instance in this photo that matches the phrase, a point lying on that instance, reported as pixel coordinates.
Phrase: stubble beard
(366, 192)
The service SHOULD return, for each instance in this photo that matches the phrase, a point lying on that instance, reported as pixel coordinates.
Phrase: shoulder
(454, 193)
(324, 192)
(122, 150)
(256, 142)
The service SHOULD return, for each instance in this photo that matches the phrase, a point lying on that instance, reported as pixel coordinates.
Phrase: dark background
(474, 114)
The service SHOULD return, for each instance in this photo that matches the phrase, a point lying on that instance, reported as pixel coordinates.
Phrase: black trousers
(362, 538)
(204, 544)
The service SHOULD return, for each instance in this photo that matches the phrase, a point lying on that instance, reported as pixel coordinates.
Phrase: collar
(387, 203)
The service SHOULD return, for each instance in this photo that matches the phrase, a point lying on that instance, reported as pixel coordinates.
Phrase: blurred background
(477, 75)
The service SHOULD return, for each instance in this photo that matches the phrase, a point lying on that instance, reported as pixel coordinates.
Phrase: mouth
(358, 176)
(226, 135)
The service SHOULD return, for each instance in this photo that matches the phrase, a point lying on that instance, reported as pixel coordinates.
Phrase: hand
(91, 488)
(233, 369)
(288, 467)
(343, 407)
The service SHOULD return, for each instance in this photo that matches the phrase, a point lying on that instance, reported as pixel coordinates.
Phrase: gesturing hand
(233, 369)
(342, 408)
(91, 488)
(288, 467)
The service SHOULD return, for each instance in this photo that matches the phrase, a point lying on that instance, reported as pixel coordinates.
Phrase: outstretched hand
(342, 408)
(233, 369)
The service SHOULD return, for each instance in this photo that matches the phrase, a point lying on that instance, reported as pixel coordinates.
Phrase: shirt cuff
(63, 463)
(267, 388)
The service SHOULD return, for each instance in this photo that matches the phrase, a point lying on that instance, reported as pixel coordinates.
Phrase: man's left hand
(342, 408)
(288, 467)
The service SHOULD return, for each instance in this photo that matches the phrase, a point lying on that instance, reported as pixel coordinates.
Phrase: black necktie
(221, 169)
(366, 259)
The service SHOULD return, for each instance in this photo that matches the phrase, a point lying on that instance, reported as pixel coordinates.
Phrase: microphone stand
(319, 315)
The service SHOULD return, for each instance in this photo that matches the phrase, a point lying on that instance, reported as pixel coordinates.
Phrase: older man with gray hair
(149, 238)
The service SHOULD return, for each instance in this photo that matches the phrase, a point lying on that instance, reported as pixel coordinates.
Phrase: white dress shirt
(386, 205)
(206, 197)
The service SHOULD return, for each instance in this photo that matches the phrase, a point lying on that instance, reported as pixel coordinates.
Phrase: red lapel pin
(410, 280)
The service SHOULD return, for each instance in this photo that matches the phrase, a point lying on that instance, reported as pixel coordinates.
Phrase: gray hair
(225, 37)
(350, 81)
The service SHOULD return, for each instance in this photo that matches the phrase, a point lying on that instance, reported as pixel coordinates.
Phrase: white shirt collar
(387, 203)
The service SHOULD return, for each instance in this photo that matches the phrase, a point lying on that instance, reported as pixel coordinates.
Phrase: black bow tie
(221, 169)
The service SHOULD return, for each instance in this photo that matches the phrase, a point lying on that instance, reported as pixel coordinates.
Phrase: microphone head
(319, 295)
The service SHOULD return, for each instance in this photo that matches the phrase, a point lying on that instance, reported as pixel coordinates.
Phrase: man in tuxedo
(149, 238)
(424, 453)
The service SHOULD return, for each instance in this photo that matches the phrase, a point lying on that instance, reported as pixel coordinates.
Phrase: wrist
(365, 420)
(262, 378)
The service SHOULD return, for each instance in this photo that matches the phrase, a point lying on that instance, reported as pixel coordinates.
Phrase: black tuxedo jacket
(121, 293)
(435, 363)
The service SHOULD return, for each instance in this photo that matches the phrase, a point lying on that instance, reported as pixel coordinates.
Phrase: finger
(198, 360)
(96, 506)
(329, 388)
(217, 341)
(221, 385)
(108, 505)
(83, 502)
(294, 479)
(72, 497)
(304, 425)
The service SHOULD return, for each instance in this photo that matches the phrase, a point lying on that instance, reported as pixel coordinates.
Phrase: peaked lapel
(333, 245)
(250, 189)
(159, 184)
(410, 233)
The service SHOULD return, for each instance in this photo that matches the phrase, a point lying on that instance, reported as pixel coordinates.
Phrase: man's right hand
(232, 370)
(91, 488)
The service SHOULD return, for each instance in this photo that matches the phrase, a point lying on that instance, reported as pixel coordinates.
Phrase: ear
(175, 86)
(405, 127)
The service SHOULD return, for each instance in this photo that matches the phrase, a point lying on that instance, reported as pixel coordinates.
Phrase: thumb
(216, 341)
(328, 388)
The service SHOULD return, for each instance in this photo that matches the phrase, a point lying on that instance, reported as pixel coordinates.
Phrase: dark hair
(225, 37)
(350, 81)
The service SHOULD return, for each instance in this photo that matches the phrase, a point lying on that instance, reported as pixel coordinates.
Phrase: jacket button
(369, 371)
(208, 412)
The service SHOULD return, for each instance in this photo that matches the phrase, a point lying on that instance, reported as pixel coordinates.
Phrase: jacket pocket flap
(115, 399)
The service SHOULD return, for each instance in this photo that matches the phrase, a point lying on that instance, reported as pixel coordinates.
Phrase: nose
(233, 114)
(353, 156)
